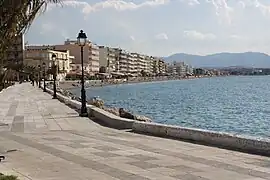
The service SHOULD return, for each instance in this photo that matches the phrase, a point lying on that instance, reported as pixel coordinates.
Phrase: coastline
(69, 85)
(66, 87)
(241, 143)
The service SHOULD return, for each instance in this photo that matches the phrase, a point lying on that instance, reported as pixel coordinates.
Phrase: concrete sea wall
(223, 140)
(217, 139)
(101, 116)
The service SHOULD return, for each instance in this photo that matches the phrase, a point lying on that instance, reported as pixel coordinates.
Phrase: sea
(233, 104)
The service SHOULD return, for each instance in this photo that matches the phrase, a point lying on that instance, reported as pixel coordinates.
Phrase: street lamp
(39, 76)
(82, 38)
(44, 74)
(54, 68)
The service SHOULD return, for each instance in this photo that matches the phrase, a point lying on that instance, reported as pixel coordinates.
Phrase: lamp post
(39, 76)
(44, 74)
(54, 69)
(82, 38)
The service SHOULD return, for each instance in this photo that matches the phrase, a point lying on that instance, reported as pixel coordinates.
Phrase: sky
(159, 27)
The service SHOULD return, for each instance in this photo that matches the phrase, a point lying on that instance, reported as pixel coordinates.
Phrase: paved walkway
(52, 142)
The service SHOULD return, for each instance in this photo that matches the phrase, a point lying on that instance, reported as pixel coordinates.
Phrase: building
(15, 51)
(142, 64)
(124, 62)
(90, 55)
(159, 66)
(180, 68)
(116, 61)
(37, 55)
(132, 65)
(108, 59)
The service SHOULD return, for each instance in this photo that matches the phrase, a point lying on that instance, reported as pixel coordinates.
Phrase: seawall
(246, 144)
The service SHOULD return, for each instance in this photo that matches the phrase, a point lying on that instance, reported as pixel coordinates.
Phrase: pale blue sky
(159, 27)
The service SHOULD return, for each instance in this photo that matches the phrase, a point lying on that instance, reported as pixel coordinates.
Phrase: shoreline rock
(97, 102)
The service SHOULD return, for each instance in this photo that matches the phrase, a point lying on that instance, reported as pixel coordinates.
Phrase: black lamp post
(82, 38)
(54, 69)
(44, 74)
(39, 76)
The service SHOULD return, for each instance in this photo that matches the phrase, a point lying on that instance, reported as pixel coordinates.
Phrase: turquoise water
(239, 105)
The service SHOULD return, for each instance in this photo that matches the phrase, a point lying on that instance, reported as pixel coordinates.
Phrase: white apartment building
(189, 69)
(123, 62)
(94, 56)
(180, 68)
(132, 64)
(90, 55)
(37, 55)
(142, 63)
(148, 65)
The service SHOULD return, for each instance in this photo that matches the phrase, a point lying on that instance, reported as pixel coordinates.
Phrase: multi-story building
(189, 69)
(159, 66)
(148, 65)
(37, 55)
(171, 69)
(180, 68)
(90, 55)
(162, 66)
(94, 58)
(108, 59)
(132, 64)
(123, 62)
(142, 63)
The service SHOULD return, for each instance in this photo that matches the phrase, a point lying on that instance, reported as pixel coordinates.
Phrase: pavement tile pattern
(49, 141)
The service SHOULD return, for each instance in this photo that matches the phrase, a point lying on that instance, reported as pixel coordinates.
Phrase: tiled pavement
(52, 142)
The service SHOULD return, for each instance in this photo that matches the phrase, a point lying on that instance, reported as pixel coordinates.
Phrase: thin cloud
(223, 10)
(191, 2)
(132, 38)
(162, 36)
(119, 5)
(195, 35)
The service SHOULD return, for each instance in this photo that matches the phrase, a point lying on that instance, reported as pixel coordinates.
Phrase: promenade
(44, 139)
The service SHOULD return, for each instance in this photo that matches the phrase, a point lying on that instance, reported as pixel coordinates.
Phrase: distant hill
(219, 60)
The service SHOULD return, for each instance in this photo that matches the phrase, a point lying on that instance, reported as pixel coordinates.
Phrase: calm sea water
(239, 105)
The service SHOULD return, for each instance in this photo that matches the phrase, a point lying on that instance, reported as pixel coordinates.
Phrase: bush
(7, 177)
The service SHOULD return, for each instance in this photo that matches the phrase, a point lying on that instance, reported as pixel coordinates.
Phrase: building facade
(37, 55)
(180, 68)
(108, 59)
(90, 55)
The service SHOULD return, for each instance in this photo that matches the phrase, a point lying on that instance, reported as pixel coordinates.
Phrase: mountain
(246, 59)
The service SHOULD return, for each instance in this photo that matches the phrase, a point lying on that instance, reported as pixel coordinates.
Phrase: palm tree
(16, 16)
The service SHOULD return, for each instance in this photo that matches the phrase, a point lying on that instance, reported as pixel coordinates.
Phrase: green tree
(16, 17)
